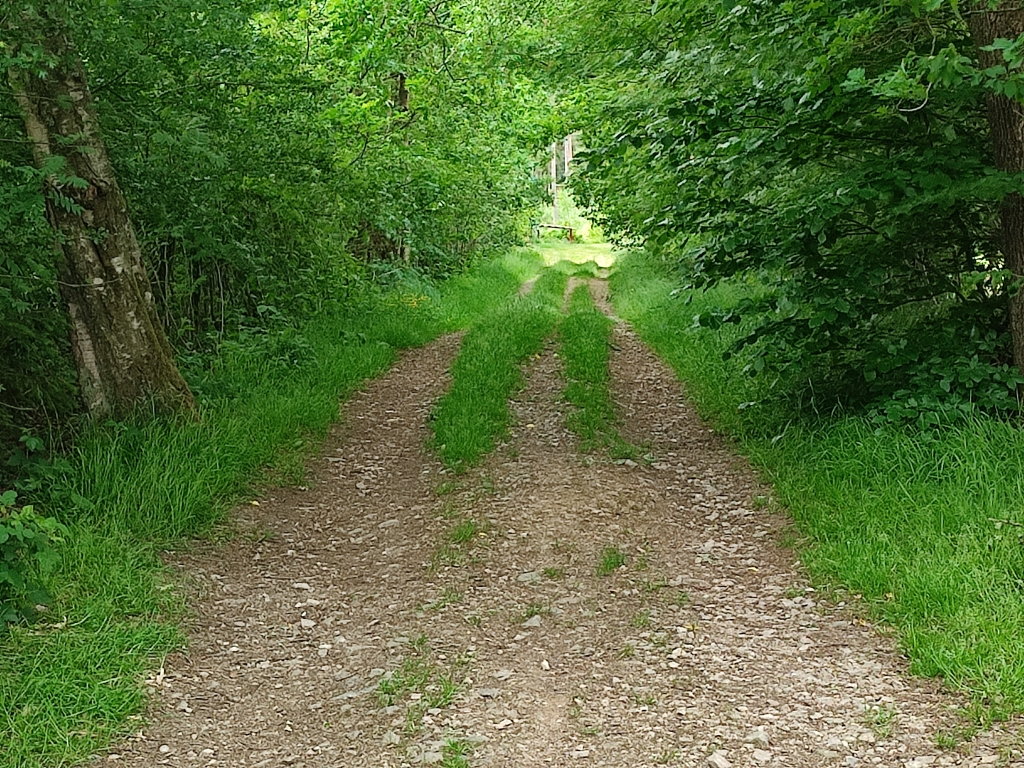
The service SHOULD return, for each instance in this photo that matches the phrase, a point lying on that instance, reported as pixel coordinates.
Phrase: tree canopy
(837, 156)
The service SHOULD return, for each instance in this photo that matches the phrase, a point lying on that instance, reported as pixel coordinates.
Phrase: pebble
(719, 760)
(757, 737)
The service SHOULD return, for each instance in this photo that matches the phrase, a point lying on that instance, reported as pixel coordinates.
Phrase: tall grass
(469, 297)
(473, 415)
(927, 532)
(585, 337)
(127, 491)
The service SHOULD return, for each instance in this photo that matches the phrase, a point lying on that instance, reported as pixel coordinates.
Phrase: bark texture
(1006, 122)
(120, 349)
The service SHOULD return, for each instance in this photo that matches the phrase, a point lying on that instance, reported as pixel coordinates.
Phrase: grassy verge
(71, 683)
(584, 334)
(473, 415)
(927, 533)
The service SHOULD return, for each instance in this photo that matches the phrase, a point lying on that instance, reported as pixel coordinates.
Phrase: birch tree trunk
(120, 349)
(1006, 123)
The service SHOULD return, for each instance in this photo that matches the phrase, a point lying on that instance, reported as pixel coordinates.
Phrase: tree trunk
(1006, 123)
(120, 349)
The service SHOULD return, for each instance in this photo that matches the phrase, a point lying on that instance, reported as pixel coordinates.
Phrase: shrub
(26, 554)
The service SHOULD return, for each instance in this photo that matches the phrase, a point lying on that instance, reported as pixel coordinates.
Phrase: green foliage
(612, 558)
(38, 378)
(455, 753)
(835, 154)
(584, 335)
(272, 169)
(474, 293)
(26, 556)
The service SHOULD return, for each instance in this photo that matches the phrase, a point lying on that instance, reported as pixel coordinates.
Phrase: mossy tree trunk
(121, 351)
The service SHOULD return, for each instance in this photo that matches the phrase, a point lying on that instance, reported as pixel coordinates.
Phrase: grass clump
(474, 294)
(641, 620)
(473, 415)
(531, 610)
(422, 682)
(464, 532)
(461, 539)
(925, 530)
(612, 558)
(882, 720)
(455, 754)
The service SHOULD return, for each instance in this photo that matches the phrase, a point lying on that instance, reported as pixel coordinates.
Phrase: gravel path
(546, 609)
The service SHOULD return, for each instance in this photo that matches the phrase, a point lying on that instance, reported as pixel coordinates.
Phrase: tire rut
(477, 604)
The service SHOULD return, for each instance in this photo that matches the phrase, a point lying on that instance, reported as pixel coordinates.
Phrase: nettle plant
(26, 555)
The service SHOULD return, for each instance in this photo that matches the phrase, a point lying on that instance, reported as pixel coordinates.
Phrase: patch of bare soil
(599, 293)
(545, 609)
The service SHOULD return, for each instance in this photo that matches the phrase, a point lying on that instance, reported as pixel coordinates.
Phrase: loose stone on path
(341, 637)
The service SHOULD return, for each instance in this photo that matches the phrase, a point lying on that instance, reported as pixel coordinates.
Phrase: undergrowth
(126, 491)
(925, 530)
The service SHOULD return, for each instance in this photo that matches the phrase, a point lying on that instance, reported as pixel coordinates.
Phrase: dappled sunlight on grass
(578, 253)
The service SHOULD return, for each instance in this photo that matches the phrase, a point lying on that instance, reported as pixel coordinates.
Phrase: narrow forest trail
(393, 608)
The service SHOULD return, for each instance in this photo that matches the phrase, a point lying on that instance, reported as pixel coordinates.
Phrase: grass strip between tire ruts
(473, 415)
(585, 335)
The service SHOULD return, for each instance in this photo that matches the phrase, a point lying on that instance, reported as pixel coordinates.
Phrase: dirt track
(348, 628)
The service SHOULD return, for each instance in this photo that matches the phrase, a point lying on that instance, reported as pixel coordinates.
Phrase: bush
(26, 555)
